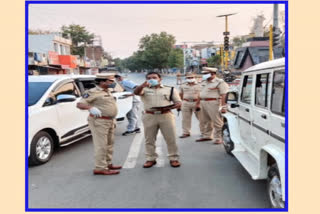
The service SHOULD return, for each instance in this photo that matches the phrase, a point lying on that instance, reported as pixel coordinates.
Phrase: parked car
(254, 129)
(54, 119)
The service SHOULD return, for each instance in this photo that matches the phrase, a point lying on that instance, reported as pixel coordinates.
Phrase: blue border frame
(27, 209)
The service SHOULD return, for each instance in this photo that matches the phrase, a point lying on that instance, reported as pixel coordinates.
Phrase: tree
(238, 41)
(175, 58)
(214, 61)
(79, 36)
(155, 50)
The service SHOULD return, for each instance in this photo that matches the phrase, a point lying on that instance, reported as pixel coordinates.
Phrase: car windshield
(36, 90)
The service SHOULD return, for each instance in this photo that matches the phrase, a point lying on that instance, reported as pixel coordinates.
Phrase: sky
(122, 26)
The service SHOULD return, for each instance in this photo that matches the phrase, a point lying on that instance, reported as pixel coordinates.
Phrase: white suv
(254, 130)
(54, 120)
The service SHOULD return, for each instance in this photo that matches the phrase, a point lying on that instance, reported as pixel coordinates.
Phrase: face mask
(191, 80)
(112, 85)
(153, 82)
(206, 76)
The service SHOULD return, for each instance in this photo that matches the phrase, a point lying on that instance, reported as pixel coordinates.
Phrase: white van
(54, 120)
(254, 130)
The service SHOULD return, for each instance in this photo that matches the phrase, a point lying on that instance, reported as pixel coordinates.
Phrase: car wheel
(274, 188)
(227, 142)
(41, 148)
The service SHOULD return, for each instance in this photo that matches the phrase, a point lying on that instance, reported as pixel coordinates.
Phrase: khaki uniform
(157, 97)
(210, 114)
(191, 94)
(102, 130)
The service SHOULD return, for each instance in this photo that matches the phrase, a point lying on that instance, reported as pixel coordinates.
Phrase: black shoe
(137, 130)
(128, 133)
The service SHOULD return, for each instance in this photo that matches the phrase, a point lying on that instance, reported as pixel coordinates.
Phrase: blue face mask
(112, 85)
(153, 82)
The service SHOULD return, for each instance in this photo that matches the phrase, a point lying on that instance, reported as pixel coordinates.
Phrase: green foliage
(155, 50)
(79, 36)
(238, 41)
(175, 59)
(214, 61)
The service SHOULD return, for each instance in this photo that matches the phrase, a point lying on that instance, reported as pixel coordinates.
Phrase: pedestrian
(212, 98)
(103, 111)
(133, 114)
(157, 100)
(190, 94)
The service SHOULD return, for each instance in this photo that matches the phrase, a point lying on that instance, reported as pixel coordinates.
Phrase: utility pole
(226, 39)
(270, 43)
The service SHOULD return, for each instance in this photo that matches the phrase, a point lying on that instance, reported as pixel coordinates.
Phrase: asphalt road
(207, 178)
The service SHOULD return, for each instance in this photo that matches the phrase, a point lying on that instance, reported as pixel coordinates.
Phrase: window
(246, 89)
(67, 49)
(36, 90)
(61, 50)
(55, 45)
(278, 93)
(67, 88)
(261, 89)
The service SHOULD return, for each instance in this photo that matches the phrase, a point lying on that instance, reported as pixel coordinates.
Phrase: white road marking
(159, 143)
(134, 151)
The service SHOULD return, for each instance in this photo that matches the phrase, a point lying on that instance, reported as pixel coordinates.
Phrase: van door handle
(283, 125)
(264, 116)
(247, 110)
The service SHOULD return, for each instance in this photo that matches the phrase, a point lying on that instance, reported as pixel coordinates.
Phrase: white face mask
(206, 76)
(190, 80)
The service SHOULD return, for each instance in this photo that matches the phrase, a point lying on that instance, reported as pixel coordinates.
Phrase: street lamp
(226, 39)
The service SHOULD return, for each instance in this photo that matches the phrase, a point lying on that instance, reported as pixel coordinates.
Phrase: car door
(277, 127)
(71, 119)
(261, 114)
(245, 111)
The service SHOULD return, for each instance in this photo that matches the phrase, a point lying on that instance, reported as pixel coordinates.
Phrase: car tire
(227, 142)
(274, 188)
(41, 148)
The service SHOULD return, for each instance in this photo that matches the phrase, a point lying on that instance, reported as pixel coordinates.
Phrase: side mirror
(234, 105)
(61, 98)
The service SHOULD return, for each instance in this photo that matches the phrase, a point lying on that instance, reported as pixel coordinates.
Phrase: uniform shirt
(101, 99)
(158, 97)
(214, 88)
(190, 91)
(130, 86)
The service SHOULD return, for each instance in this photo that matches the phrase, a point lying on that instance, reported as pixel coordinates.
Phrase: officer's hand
(95, 112)
(145, 84)
(223, 109)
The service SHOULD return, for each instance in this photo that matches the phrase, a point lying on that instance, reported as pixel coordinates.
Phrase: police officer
(157, 99)
(103, 111)
(190, 94)
(212, 103)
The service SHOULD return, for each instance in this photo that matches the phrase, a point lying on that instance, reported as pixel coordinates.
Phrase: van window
(246, 89)
(278, 93)
(261, 95)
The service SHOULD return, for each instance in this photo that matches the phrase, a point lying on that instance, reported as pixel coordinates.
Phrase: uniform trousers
(103, 139)
(211, 119)
(187, 109)
(166, 124)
